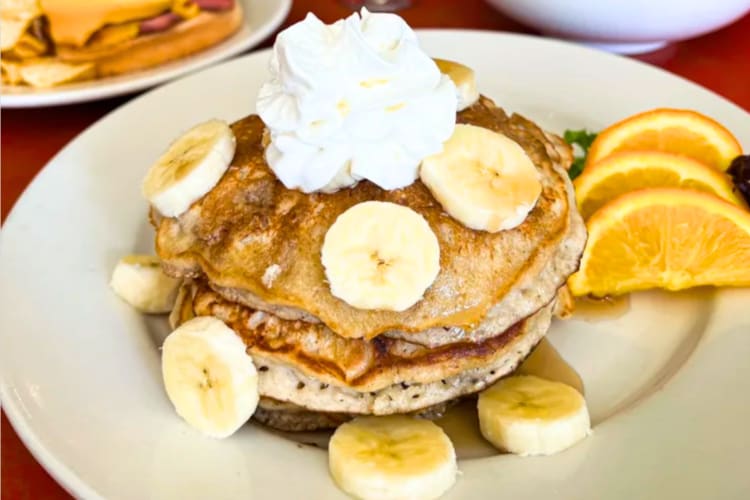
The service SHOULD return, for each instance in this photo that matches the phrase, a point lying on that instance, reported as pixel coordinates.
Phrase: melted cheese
(74, 21)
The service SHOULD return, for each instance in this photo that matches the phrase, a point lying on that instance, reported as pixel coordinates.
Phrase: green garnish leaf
(576, 167)
(583, 138)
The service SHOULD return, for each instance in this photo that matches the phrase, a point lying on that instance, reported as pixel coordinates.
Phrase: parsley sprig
(583, 139)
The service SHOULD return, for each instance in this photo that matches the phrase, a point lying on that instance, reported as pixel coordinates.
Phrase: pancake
(526, 296)
(310, 366)
(292, 418)
(258, 243)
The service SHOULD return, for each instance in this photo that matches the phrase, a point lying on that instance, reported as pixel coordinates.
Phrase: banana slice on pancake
(463, 78)
(392, 457)
(483, 179)
(190, 168)
(209, 377)
(528, 415)
(140, 281)
(380, 255)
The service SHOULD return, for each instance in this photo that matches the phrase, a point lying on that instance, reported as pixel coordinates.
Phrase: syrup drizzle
(461, 422)
(593, 310)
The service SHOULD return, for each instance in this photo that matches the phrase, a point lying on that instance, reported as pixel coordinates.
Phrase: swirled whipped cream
(353, 100)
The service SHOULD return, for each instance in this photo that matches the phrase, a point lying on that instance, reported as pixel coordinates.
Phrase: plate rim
(62, 473)
(102, 89)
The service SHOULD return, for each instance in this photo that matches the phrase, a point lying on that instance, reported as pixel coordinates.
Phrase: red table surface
(719, 61)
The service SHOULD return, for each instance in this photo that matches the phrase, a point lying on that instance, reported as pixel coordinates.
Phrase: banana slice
(140, 281)
(190, 168)
(528, 415)
(209, 377)
(380, 255)
(394, 457)
(464, 80)
(483, 179)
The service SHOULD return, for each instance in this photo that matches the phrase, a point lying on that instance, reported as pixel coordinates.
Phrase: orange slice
(628, 171)
(664, 238)
(677, 131)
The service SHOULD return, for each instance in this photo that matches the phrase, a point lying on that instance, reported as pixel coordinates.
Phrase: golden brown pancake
(308, 365)
(363, 365)
(259, 243)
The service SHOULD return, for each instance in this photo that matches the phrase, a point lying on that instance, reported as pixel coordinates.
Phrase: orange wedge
(676, 131)
(621, 173)
(664, 238)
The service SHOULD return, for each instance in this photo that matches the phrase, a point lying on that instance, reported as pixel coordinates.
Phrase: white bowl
(624, 26)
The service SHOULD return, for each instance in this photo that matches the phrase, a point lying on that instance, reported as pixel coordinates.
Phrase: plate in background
(262, 17)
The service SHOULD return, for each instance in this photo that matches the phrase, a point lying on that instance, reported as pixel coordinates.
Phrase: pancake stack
(250, 254)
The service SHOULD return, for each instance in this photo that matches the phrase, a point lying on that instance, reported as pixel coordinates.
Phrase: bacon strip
(163, 22)
(159, 23)
(215, 4)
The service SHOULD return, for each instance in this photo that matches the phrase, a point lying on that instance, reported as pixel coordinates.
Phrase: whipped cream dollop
(357, 99)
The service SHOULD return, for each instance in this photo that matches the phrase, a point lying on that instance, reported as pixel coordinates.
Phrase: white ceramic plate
(262, 17)
(668, 382)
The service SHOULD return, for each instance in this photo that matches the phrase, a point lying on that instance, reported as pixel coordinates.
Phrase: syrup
(461, 422)
(545, 362)
(593, 310)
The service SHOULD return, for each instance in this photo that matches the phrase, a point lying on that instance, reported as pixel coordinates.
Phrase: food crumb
(272, 272)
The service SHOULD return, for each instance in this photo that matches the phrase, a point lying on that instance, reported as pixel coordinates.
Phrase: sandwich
(130, 35)
(69, 40)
